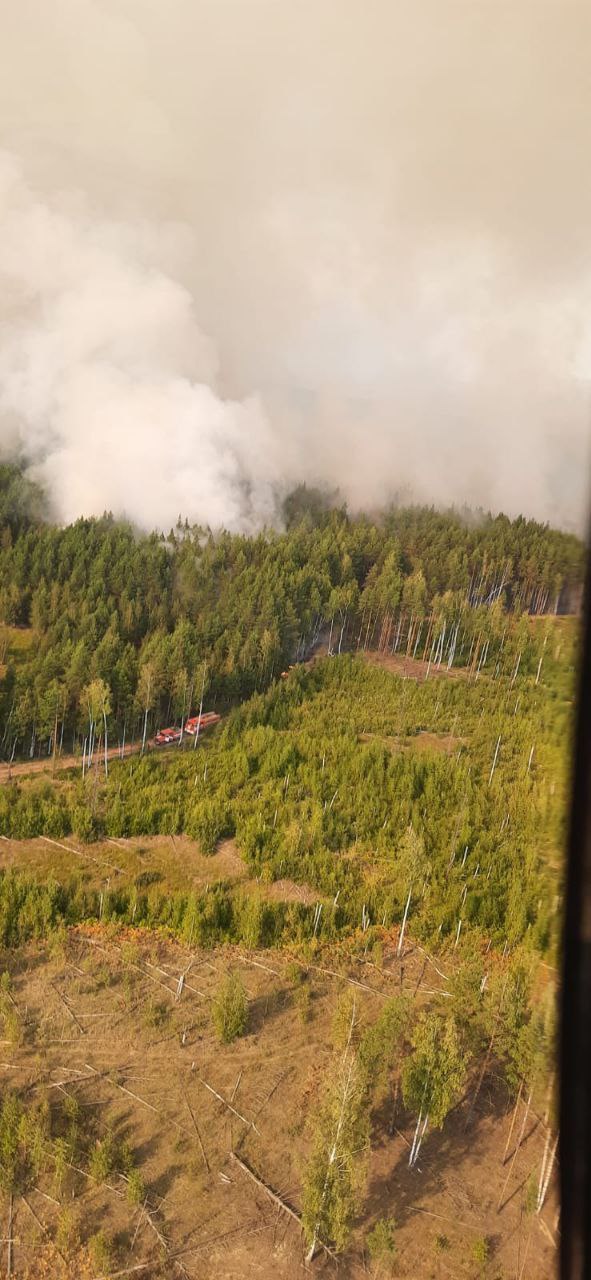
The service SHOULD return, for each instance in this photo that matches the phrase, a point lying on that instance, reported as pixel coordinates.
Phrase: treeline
(130, 631)
(35, 911)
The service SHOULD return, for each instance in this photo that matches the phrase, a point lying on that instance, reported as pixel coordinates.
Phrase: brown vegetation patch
(174, 862)
(411, 668)
(446, 743)
(103, 1022)
(289, 891)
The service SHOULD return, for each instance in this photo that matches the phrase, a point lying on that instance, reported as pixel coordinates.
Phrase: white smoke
(379, 212)
(109, 383)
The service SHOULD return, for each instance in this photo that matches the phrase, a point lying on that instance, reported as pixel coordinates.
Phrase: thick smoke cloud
(109, 382)
(249, 242)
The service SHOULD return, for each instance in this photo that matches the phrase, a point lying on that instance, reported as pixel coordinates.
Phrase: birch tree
(411, 868)
(433, 1075)
(335, 1171)
(147, 691)
(95, 700)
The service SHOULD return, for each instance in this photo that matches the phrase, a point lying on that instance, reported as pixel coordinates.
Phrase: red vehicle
(204, 721)
(165, 736)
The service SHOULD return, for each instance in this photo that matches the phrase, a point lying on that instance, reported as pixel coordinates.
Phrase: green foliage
(344, 777)
(156, 1013)
(22, 502)
(381, 1044)
(11, 1165)
(61, 1158)
(230, 1009)
(335, 1170)
(433, 1075)
(103, 1158)
(345, 1019)
(381, 1240)
(12, 1024)
(136, 1188)
(67, 1236)
(481, 1251)
(125, 624)
(100, 1248)
(24, 1146)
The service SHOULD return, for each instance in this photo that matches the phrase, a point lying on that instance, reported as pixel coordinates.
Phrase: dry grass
(139, 1068)
(412, 668)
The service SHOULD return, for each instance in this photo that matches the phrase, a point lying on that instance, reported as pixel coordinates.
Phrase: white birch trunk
(404, 919)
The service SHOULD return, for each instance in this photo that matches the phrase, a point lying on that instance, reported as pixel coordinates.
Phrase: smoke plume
(246, 243)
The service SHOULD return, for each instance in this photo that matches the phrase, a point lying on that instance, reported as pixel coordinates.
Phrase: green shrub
(67, 1237)
(481, 1251)
(103, 1159)
(136, 1189)
(230, 1009)
(381, 1240)
(100, 1248)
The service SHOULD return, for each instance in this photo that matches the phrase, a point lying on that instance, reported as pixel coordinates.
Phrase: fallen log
(227, 1104)
(281, 1204)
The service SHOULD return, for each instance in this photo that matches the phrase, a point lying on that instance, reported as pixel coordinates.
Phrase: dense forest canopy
(152, 616)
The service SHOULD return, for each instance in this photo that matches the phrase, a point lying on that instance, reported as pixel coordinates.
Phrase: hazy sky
(249, 242)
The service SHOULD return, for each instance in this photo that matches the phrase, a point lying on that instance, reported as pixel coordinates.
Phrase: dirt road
(45, 764)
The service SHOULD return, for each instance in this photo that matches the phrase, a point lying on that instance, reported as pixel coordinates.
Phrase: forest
(377, 823)
(130, 630)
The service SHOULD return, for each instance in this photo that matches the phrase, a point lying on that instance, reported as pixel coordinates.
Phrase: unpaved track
(21, 768)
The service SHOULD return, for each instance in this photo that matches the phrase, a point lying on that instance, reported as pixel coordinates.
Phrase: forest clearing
(103, 1030)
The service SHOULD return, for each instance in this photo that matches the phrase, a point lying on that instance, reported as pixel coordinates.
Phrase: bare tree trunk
(517, 665)
(106, 744)
(494, 763)
(145, 729)
(544, 1184)
(9, 1250)
(198, 726)
(430, 628)
(361, 630)
(404, 918)
(54, 742)
(330, 638)
(421, 1135)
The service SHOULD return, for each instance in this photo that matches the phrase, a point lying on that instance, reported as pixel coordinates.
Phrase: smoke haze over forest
(246, 243)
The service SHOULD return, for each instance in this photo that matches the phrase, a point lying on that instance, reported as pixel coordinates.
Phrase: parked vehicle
(195, 724)
(165, 736)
